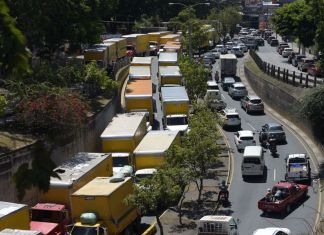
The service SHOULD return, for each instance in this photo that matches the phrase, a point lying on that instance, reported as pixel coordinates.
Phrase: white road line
(251, 126)
(274, 175)
(223, 97)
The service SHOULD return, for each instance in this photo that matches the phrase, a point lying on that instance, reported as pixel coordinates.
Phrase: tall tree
(14, 58)
(296, 19)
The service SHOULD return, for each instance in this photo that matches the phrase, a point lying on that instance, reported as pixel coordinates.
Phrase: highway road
(244, 195)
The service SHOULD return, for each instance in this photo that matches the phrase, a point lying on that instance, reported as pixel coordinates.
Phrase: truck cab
(217, 225)
(50, 213)
(87, 228)
(297, 167)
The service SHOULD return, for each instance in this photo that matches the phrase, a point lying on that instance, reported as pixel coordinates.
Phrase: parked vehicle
(270, 38)
(244, 138)
(230, 117)
(272, 231)
(14, 215)
(314, 71)
(281, 48)
(253, 163)
(252, 103)
(237, 90)
(290, 194)
(297, 59)
(137, 44)
(151, 150)
(97, 205)
(304, 64)
(210, 56)
(274, 131)
(217, 225)
(227, 82)
(175, 108)
(297, 167)
(228, 65)
(286, 52)
(282, 44)
(274, 42)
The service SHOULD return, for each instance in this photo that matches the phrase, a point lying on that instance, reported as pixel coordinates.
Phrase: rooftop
(7, 208)
(174, 94)
(169, 71)
(138, 88)
(139, 72)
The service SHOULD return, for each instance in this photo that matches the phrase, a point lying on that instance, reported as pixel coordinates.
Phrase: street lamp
(189, 26)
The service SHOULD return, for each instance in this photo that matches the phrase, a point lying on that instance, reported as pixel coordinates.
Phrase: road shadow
(257, 179)
(282, 216)
(232, 128)
(257, 113)
(195, 210)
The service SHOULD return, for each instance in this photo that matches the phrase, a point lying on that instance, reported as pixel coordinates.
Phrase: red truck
(49, 217)
(291, 193)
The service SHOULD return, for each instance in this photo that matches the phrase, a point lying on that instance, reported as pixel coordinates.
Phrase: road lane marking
(223, 97)
(251, 126)
(274, 175)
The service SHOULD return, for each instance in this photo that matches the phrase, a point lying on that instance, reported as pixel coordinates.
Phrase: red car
(290, 194)
(314, 71)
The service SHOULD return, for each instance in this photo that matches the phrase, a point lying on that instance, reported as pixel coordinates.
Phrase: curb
(307, 142)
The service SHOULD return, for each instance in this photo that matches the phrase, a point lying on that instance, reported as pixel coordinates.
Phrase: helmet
(223, 182)
(269, 189)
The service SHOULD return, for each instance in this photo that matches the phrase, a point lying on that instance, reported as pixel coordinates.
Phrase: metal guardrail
(285, 75)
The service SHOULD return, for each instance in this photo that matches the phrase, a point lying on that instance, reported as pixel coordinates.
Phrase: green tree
(296, 19)
(312, 108)
(154, 195)
(196, 76)
(14, 58)
(225, 20)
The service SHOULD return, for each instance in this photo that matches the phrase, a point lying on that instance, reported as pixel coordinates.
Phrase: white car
(243, 47)
(286, 52)
(236, 50)
(244, 138)
(272, 231)
(230, 117)
(237, 90)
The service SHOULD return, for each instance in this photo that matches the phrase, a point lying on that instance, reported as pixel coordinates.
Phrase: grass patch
(295, 91)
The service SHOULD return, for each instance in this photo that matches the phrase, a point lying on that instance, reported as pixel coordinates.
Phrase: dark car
(260, 41)
(227, 82)
(270, 38)
(297, 59)
(274, 42)
(211, 56)
(273, 131)
(207, 62)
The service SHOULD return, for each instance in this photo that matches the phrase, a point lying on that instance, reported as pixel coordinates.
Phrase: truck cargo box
(14, 216)
(169, 75)
(124, 132)
(169, 37)
(168, 59)
(97, 54)
(155, 36)
(120, 46)
(19, 232)
(139, 72)
(76, 172)
(151, 150)
(139, 41)
(139, 96)
(111, 51)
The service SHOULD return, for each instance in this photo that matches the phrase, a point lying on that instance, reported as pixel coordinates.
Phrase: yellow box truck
(169, 37)
(137, 44)
(139, 97)
(120, 46)
(151, 150)
(75, 173)
(168, 59)
(111, 48)
(99, 54)
(139, 72)
(169, 75)
(124, 133)
(175, 108)
(19, 232)
(155, 36)
(14, 216)
(99, 208)
(142, 61)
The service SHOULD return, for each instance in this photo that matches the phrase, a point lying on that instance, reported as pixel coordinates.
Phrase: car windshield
(246, 138)
(129, 48)
(276, 128)
(140, 177)
(297, 160)
(256, 101)
(252, 160)
(42, 215)
(84, 230)
(212, 87)
(240, 88)
(120, 161)
(232, 116)
(177, 121)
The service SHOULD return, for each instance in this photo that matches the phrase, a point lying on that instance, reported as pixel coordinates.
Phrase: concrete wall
(86, 140)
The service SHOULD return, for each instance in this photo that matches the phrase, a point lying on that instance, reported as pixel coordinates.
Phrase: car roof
(230, 111)
(272, 124)
(212, 83)
(270, 231)
(245, 133)
(229, 79)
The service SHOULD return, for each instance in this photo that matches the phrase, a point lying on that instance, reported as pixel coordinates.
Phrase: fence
(284, 75)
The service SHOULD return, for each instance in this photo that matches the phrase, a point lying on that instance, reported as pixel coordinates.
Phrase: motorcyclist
(223, 191)
(272, 146)
(263, 138)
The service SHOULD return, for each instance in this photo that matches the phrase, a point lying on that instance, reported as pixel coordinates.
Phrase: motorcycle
(272, 147)
(223, 198)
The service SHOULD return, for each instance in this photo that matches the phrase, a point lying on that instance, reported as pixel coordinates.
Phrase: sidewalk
(192, 211)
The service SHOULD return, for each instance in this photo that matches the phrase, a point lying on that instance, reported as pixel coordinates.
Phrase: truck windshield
(84, 230)
(297, 160)
(120, 161)
(48, 216)
(177, 121)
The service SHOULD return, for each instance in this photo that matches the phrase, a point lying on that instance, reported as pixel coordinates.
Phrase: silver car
(237, 90)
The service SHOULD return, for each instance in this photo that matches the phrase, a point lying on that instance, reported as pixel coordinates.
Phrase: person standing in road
(216, 77)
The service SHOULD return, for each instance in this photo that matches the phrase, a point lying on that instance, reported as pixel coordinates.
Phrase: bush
(52, 112)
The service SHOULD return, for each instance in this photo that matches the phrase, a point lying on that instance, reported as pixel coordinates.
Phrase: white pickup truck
(297, 167)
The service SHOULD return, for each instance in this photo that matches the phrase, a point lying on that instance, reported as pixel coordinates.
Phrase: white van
(253, 161)
(217, 225)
